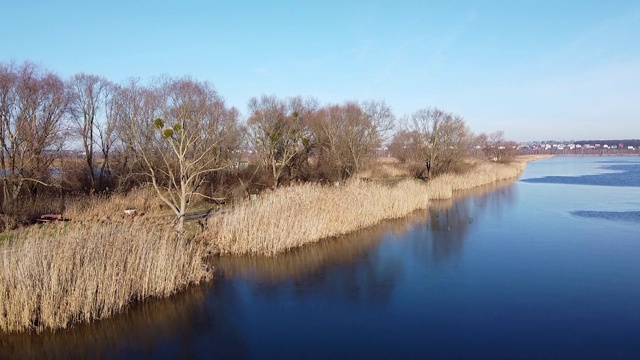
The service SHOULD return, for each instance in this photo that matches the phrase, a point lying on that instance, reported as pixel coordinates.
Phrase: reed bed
(105, 208)
(290, 217)
(484, 173)
(60, 274)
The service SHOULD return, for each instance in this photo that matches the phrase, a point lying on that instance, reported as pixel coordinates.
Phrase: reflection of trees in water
(355, 267)
(495, 199)
(311, 259)
(449, 221)
(349, 267)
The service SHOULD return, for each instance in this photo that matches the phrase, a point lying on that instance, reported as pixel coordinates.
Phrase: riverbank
(291, 217)
(55, 276)
(94, 267)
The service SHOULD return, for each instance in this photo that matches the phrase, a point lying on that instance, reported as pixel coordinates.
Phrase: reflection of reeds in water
(311, 258)
(62, 274)
(446, 204)
(314, 257)
(142, 327)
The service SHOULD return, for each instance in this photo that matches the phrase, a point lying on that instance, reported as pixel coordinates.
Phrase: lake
(544, 267)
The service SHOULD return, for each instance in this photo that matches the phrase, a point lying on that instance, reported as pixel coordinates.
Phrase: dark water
(531, 269)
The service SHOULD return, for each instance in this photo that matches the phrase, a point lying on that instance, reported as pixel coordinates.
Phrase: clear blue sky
(535, 69)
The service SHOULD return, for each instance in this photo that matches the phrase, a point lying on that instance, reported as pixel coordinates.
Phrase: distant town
(591, 147)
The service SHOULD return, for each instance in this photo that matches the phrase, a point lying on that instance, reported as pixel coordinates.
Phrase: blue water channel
(544, 267)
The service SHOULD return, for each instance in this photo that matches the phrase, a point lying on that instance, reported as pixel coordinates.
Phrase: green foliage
(158, 123)
(167, 133)
(177, 127)
(274, 137)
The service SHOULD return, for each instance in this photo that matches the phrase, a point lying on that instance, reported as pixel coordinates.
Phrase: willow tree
(184, 142)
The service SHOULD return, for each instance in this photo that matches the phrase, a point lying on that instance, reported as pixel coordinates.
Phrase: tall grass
(60, 274)
(291, 217)
(111, 208)
(483, 173)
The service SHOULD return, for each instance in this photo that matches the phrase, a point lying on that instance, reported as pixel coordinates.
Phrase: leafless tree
(403, 144)
(184, 142)
(32, 106)
(349, 134)
(497, 148)
(87, 95)
(441, 139)
(107, 129)
(276, 132)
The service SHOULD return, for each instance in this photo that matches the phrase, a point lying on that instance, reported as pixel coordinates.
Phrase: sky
(538, 70)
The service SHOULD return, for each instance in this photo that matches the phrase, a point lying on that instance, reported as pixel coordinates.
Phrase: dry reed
(484, 173)
(290, 217)
(99, 207)
(61, 274)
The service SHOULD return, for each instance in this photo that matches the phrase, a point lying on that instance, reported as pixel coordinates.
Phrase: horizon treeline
(178, 134)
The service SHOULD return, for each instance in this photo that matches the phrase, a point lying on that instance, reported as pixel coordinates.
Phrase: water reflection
(449, 221)
(144, 327)
(253, 300)
(313, 259)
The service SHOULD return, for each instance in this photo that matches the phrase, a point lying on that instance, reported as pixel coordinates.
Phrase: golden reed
(290, 217)
(60, 274)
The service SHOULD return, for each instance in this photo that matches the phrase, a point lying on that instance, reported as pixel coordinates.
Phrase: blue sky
(536, 69)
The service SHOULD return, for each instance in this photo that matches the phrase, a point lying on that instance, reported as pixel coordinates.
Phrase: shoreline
(57, 276)
(288, 218)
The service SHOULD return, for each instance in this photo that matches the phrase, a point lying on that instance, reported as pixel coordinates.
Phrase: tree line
(178, 135)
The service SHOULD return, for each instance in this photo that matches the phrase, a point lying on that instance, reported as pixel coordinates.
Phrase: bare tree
(403, 144)
(349, 134)
(276, 133)
(184, 142)
(497, 148)
(86, 101)
(442, 139)
(32, 106)
(107, 129)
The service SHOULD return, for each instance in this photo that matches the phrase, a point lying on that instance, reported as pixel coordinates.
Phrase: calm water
(546, 267)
